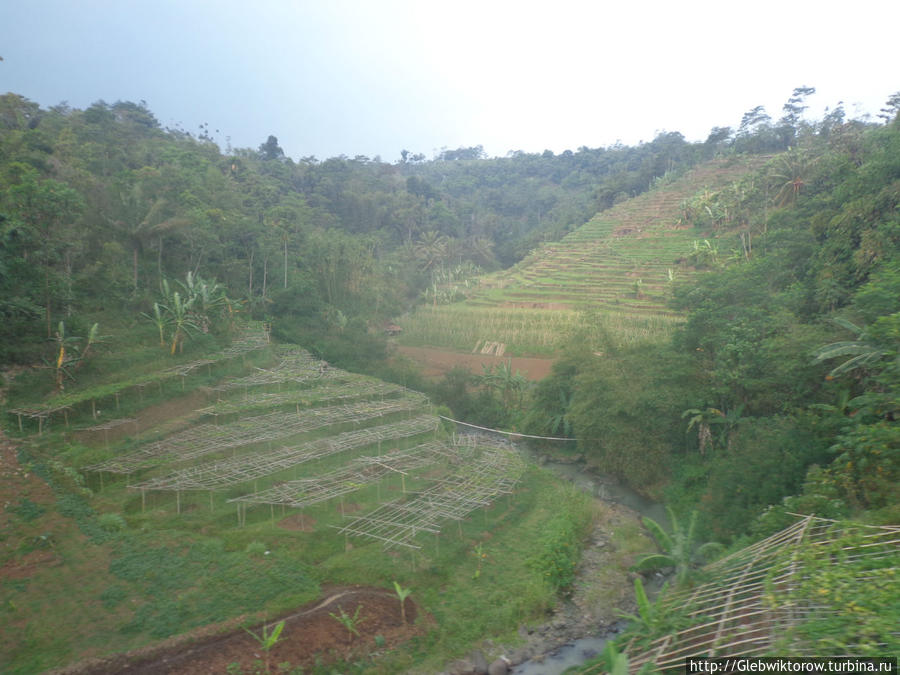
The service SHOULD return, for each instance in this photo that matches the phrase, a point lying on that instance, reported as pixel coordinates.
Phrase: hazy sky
(372, 77)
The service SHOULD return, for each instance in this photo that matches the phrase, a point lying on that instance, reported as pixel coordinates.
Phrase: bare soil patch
(172, 412)
(297, 522)
(310, 636)
(436, 362)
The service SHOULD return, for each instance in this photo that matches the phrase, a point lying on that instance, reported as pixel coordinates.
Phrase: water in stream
(606, 489)
(569, 655)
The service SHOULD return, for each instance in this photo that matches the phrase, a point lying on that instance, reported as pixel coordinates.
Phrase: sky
(374, 77)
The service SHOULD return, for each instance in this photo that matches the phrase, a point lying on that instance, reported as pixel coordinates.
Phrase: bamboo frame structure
(296, 366)
(241, 469)
(205, 439)
(245, 344)
(360, 472)
(737, 612)
(333, 391)
(487, 470)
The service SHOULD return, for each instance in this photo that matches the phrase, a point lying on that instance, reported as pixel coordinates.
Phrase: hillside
(220, 489)
(621, 264)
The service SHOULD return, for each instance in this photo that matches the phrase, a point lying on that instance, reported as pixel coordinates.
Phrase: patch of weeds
(113, 596)
(256, 548)
(111, 522)
(27, 510)
(75, 507)
(204, 583)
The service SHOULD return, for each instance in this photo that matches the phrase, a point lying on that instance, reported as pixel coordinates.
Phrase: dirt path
(436, 362)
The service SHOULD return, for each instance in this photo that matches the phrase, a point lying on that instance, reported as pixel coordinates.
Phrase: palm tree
(431, 250)
(790, 175)
(680, 550)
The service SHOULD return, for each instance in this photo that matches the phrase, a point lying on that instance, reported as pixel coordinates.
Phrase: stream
(606, 489)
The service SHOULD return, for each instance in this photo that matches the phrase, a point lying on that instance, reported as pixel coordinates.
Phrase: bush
(558, 549)
(111, 522)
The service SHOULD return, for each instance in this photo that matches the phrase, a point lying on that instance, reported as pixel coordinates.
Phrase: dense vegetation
(101, 205)
(779, 393)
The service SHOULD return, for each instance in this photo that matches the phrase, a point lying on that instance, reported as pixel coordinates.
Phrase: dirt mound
(310, 636)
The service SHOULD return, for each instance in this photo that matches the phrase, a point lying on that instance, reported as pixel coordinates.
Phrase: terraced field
(618, 267)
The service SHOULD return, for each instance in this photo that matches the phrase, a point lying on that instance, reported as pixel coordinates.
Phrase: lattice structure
(360, 472)
(244, 468)
(490, 470)
(205, 439)
(296, 366)
(332, 391)
(249, 342)
(733, 614)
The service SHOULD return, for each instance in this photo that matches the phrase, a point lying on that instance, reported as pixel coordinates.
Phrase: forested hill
(99, 206)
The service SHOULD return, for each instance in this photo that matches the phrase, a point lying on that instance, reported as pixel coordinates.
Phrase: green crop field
(611, 279)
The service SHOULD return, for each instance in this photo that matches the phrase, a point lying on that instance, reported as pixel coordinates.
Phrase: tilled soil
(310, 636)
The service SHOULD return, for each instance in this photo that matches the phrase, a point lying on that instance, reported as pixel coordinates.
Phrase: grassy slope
(137, 573)
(614, 269)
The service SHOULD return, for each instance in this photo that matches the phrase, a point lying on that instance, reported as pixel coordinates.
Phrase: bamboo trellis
(296, 366)
(243, 345)
(205, 439)
(492, 469)
(733, 614)
(245, 468)
(360, 472)
(333, 391)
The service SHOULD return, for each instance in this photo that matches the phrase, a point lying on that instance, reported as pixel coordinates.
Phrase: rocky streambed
(580, 624)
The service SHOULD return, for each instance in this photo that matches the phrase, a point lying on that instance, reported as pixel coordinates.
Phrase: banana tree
(159, 320)
(678, 550)
(181, 320)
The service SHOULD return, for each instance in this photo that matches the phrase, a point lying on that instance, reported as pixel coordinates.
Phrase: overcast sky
(374, 77)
